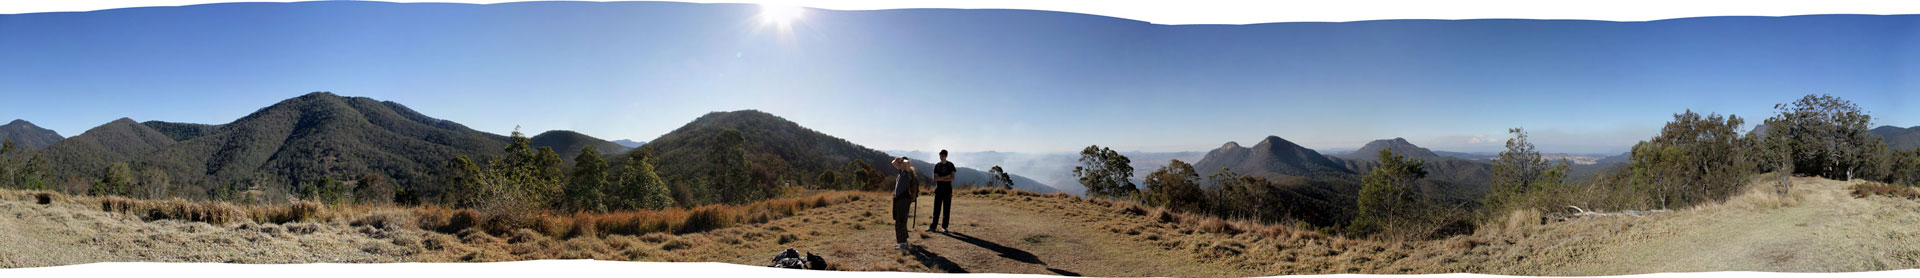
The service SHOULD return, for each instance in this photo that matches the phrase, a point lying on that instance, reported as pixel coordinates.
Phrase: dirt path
(988, 236)
(1827, 231)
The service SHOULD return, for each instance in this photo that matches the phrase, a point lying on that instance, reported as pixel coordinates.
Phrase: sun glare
(780, 15)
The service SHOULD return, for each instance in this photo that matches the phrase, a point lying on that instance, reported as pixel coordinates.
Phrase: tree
(326, 190)
(589, 177)
(1906, 168)
(728, 170)
(156, 183)
(1175, 186)
(1821, 135)
(1518, 171)
(1105, 173)
(373, 189)
(548, 182)
(33, 174)
(1694, 159)
(865, 177)
(468, 183)
(118, 179)
(1386, 194)
(521, 181)
(999, 177)
(828, 180)
(640, 187)
(7, 174)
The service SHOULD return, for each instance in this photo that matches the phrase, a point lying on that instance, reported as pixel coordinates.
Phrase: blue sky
(966, 80)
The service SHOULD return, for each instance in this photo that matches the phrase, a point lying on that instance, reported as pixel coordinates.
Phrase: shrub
(461, 220)
(1865, 189)
(45, 197)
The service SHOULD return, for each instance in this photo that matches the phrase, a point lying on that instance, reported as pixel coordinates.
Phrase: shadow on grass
(1005, 252)
(929, 258)
(1063, 272)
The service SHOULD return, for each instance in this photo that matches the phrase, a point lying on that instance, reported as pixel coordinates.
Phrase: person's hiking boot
(903, 246)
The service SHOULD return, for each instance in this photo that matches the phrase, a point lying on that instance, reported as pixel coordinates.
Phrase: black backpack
(791, 259)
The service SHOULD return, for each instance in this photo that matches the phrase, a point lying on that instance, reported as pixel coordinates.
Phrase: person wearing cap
(904, 194)
(942, 194)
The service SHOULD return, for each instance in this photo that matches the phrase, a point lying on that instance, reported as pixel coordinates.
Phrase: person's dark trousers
(900, 207)
(942, 205)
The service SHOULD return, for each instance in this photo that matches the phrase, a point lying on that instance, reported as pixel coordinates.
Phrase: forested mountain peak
(28, 135)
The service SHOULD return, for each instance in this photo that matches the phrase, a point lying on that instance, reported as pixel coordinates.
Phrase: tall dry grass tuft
(1218, 226)
(1520, 219)
(1127, 207)
(699, 219)
(116, 204)
(705, 218)
(1762, 196)
(386, 219)
(177, 209)
(303, 211)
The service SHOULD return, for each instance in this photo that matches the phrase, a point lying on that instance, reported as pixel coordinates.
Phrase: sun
(780, 15)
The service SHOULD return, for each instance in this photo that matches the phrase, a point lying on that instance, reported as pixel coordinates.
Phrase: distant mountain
(776, 145)
(318, 135)
(89, 153)
(1272, 157)
(629, 143)
(568, 144)
(1899, 138)
(27, 135)
(1399, 146)
(1454, 179)
(1306, 185)
(181, 131)
(1467, 156)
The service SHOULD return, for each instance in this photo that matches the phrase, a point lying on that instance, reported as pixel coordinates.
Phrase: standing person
(942, 194)
(904, 194)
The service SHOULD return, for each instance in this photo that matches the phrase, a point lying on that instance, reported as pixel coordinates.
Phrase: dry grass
(1518, 244)
(395, 233)
(1762, 195)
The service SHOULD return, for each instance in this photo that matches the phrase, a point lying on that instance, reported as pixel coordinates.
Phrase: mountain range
(776, 145)
(87, 154)
(629, 143)
(322, 135)
(1273, 157)
(1899, 138)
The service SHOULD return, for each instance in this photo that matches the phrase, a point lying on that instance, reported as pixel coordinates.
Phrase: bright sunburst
(780, 15)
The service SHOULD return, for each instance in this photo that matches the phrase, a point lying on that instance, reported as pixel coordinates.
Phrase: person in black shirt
(942, 194)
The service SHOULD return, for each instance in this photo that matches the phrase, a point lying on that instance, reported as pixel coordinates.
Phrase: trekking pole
(912, 218)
